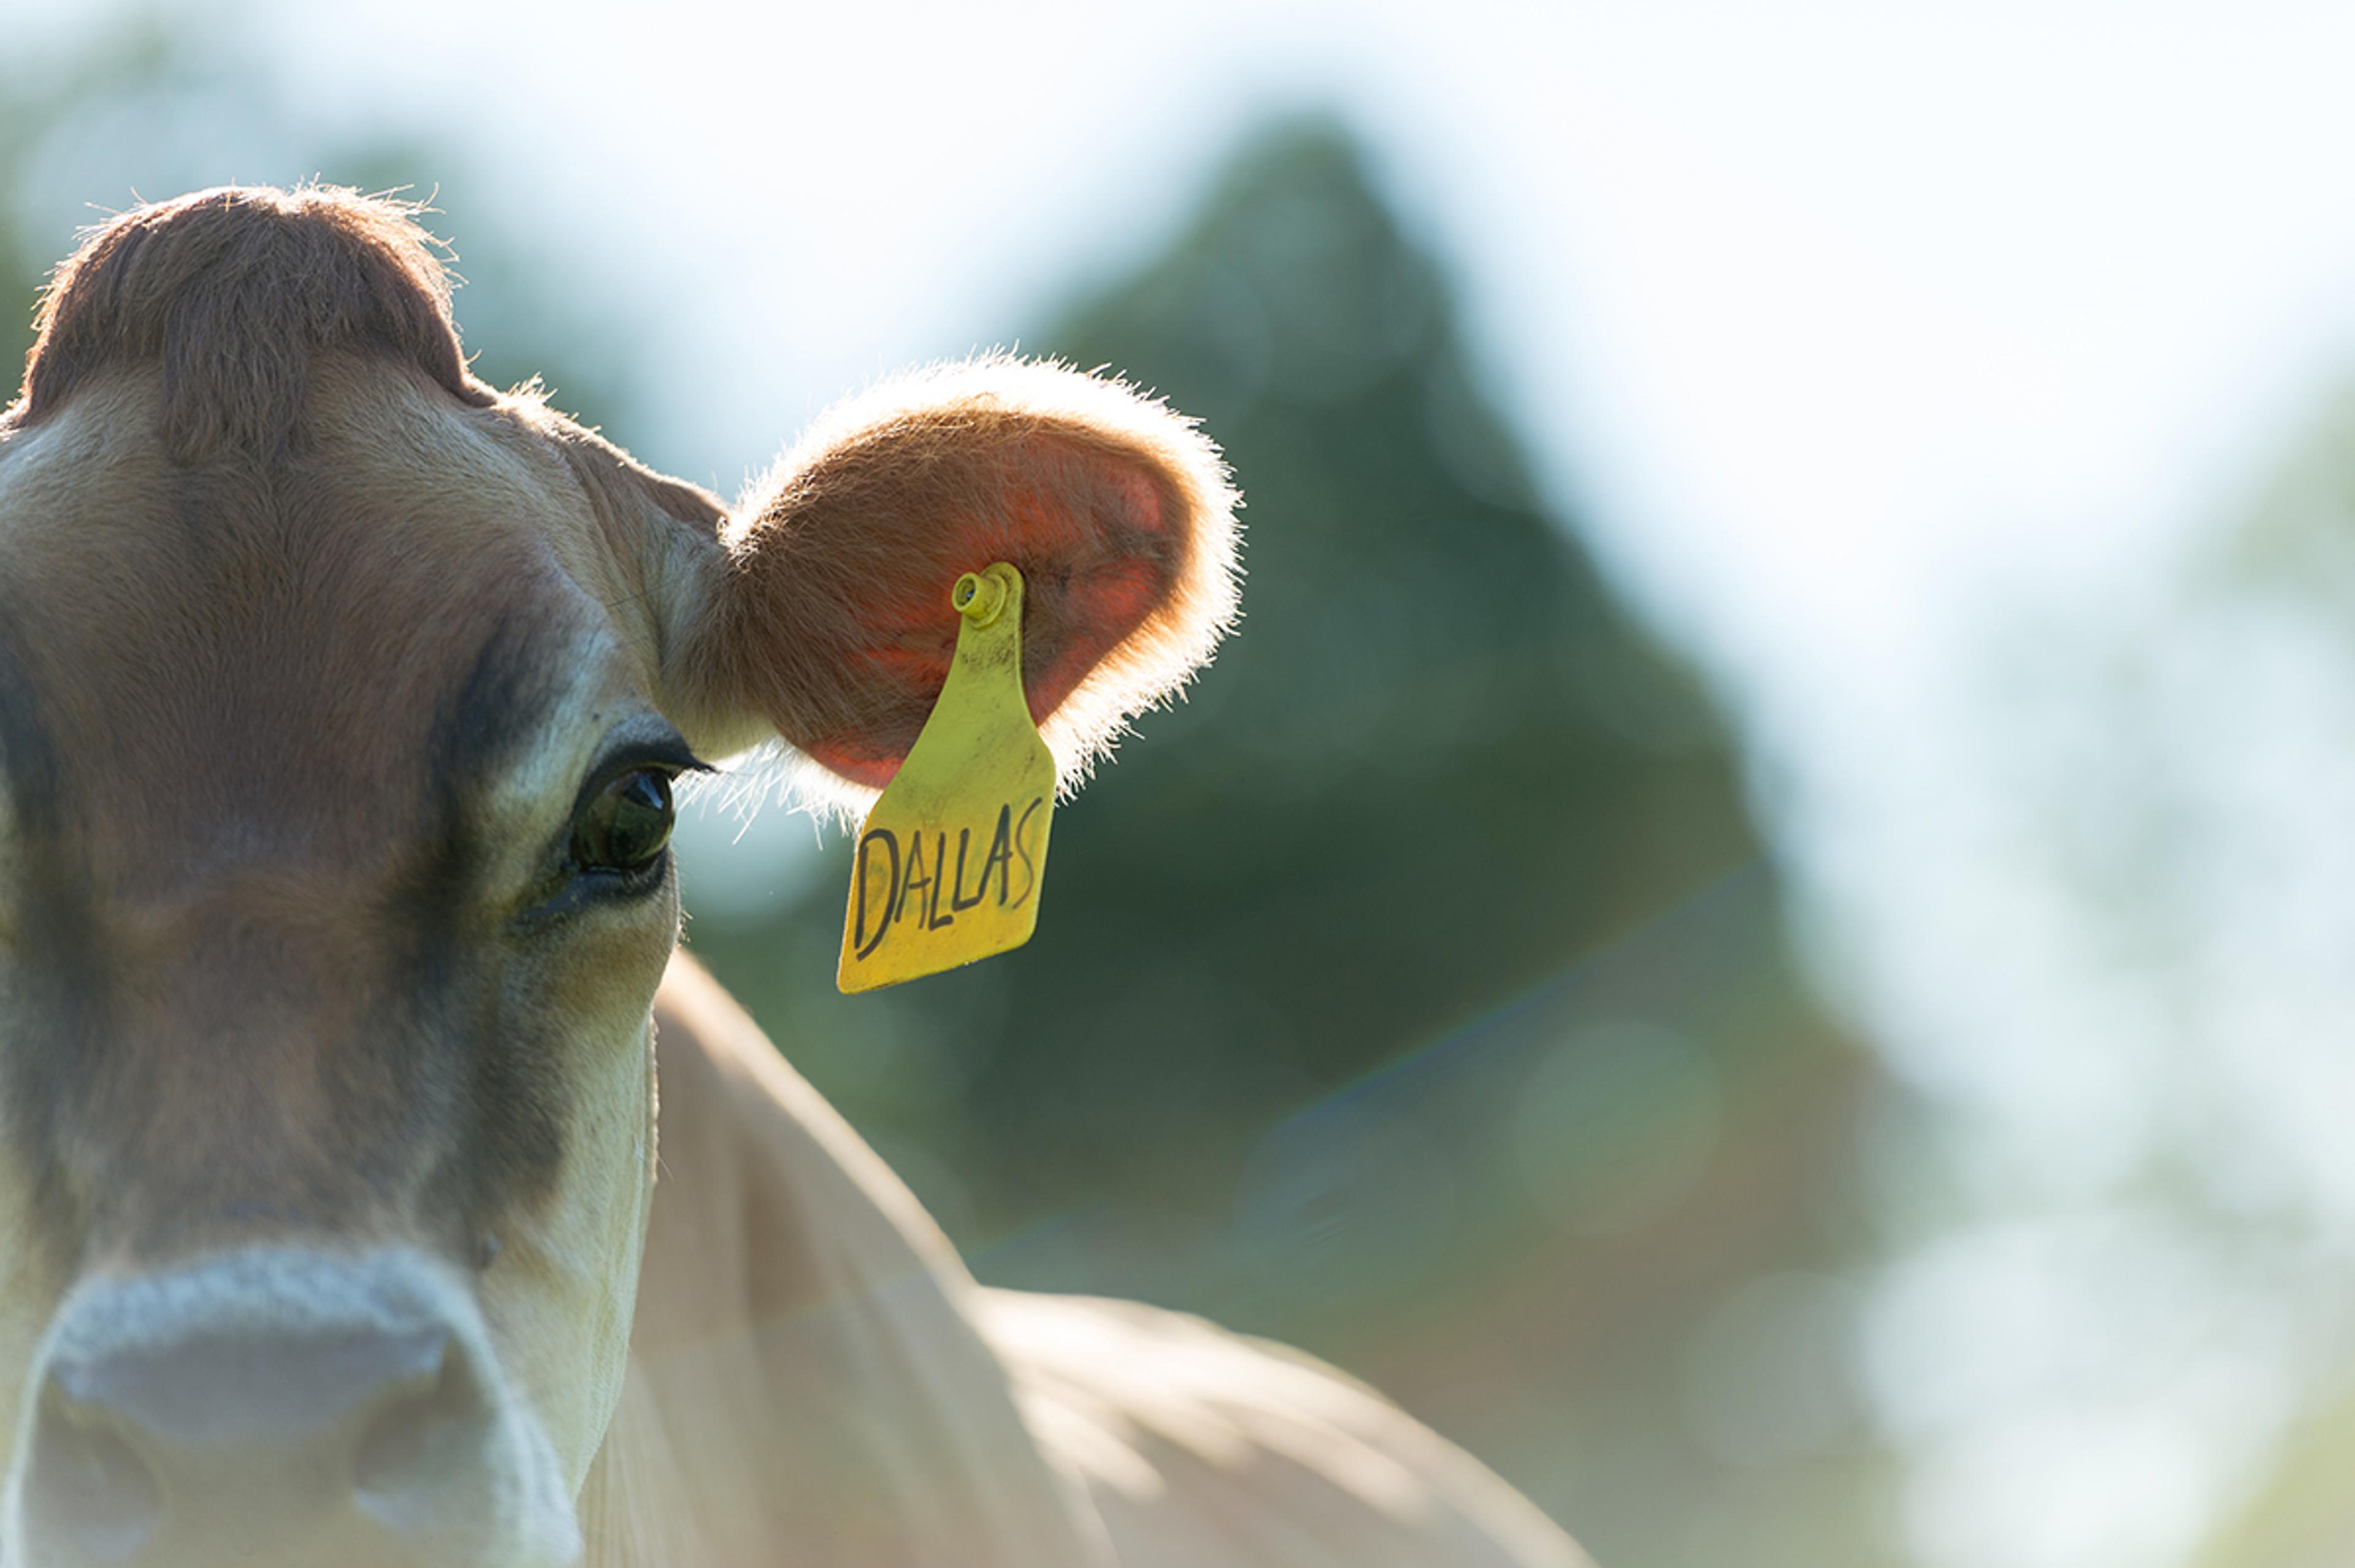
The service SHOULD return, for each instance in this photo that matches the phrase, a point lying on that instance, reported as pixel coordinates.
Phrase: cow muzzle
(277, 1408)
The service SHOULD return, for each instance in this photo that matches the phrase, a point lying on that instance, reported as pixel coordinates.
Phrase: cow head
(342, 700)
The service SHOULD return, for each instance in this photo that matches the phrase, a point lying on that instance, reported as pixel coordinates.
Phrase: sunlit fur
(229, 293)
(1118, 512)
(815, 1378)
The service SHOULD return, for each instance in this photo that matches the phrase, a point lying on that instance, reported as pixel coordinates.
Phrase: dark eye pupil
(625, 825)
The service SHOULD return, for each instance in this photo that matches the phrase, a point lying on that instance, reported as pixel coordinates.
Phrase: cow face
(341, 706)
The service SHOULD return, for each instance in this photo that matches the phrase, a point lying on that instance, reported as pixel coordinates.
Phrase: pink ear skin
(834, 622)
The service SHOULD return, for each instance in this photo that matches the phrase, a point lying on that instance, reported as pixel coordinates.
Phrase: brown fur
(265, 719)
(305, 734)
(233, 293)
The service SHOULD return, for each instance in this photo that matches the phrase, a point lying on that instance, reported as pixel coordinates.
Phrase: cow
(342, 701)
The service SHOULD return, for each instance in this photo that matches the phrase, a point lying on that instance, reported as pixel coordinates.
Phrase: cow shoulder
(804, 1366)
(1199, 1446)
(763, 1193)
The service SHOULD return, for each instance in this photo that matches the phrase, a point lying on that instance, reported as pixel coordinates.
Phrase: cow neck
(806, 1371)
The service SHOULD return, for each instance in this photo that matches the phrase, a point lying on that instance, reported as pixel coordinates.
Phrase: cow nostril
(278, 1409)
(211, 1447)
(418, 1443)
(92, 1499)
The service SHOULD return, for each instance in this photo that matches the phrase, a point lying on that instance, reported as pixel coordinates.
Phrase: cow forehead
(230, 660)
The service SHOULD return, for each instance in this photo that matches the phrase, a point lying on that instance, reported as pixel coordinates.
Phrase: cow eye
(625, 824)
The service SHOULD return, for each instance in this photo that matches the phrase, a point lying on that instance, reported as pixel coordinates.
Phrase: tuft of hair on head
(1119, 512)
(232, 292)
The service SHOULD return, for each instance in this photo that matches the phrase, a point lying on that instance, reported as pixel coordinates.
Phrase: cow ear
(830, 623)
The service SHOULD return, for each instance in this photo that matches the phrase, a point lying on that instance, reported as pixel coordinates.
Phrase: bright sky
(1855, 329)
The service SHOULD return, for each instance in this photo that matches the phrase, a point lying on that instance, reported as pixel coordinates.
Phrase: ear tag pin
(949, 861)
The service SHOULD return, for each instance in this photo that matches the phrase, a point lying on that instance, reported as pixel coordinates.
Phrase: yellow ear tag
(949, 861)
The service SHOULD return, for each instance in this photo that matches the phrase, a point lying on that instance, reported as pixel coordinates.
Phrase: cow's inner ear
(831, 623)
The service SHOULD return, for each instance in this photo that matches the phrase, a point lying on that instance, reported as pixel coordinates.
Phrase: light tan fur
(812, 1366)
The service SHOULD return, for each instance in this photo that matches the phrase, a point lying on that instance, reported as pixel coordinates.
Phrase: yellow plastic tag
(949, 862)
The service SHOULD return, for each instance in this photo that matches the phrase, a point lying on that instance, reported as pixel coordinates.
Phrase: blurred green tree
(1417, 989)
(2259, 621)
